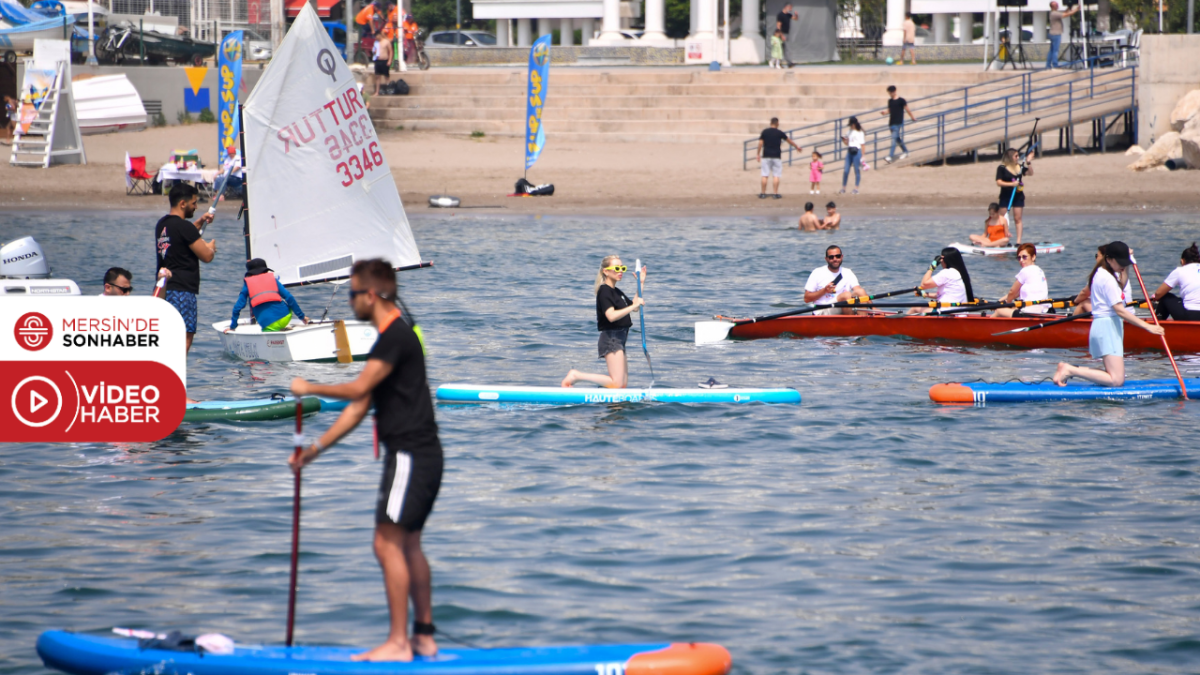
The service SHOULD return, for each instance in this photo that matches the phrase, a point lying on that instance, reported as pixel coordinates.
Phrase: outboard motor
(23, 259)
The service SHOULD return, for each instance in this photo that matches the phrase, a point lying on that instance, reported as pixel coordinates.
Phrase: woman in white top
(1186, 277)
(1110, 292)
(953, 283)
(1030, 285)
(854, 141)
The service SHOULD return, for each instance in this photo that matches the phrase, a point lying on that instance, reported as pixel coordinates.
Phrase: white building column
(749, 47)
(524, 33)
(587, 26)
(502, 33)
(566, 33)
(894, 35)
(1039, 26)
(693, 16)
(941, 29)
(545, 27)
(655, 21)
(610, 27)
(704, 16)
(966, 28)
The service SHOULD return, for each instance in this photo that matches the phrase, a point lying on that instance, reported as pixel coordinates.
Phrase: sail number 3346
(351, 164)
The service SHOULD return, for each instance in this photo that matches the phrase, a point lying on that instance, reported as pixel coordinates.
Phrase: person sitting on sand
(953, 283)
(832, 219)
(270, 303)
(612, 320)
(1030, 285)
(1186, 277)
(832, 283)
(809, 222)
(1110, 292)
(995, 230)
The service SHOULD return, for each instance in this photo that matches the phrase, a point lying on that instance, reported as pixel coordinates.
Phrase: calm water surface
(866, 531)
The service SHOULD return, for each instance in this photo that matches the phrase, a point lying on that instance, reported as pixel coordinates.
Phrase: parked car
(255, 46)
(337, 33)
(466, 38)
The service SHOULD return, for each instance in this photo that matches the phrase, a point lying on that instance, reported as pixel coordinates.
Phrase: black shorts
(1018, 202)
(409, 487)
(612, 341)
(382, 67)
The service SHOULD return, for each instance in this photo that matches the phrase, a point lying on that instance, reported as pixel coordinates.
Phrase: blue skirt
(1107, 337)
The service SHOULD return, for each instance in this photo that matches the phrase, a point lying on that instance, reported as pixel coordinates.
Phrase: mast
(245, 185)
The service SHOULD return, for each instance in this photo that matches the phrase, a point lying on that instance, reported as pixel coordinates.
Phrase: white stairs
(53, 135)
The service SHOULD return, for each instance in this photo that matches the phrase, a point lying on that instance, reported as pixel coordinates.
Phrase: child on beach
(814, 173)
(777, 50)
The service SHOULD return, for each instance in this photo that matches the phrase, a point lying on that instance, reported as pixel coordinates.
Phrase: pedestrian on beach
(1110, 293)
(854, 141)
(770, 156)
(270, 303)
(777, 50)
(832, 219)
(1186, 278)
(953, 283)
(1010, 176)
(783, 24)
(816, 168)
(808, 220)
(897, 106)
(832, 283)
(995, 230)
(613, 308)
(383, 60)
(394, 382)
(909, 41)
(1055, 32)
(179, 248)
(1030, 285)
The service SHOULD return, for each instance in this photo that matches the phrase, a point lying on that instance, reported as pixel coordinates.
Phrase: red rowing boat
(1184, 336)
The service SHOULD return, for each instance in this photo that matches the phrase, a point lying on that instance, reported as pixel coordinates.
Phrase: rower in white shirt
(832, 283)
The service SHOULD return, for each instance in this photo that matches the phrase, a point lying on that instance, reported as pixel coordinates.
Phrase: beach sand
(628, 179)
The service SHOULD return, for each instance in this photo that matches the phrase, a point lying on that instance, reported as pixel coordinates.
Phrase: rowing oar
(1154, 315)
(715, 331)
(637, 273)
(1061, 303)
(1073, 317)
(299, 439)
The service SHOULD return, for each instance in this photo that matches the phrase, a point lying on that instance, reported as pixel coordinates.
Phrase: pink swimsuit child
(815, 169)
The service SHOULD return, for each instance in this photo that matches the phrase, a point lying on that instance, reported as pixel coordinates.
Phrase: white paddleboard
(1041, 247)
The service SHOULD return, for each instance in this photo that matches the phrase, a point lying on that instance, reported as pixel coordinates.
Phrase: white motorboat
(25, 272)
(107, 103)
(319, 190)
(19, 38)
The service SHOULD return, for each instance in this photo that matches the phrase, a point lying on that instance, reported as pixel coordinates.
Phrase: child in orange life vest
(995, 230)
(270, 303)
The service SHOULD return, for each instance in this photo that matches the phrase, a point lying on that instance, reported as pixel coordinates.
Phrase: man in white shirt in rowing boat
(832, 283)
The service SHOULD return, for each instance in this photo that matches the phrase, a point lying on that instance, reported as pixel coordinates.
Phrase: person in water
(270, 303)
(821, 289)
(809, 222)
(953, 283)
(612, 320)
(995, 230)
(1186, 278)
(1030, 285)
(1110, 292)
(1083, 301)
(394, 382)
(832, 219)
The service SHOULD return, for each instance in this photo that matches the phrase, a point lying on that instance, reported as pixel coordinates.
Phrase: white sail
(321, 193)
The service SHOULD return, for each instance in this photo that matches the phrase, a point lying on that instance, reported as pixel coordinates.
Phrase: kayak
(1041, 247)
(1184, 336)
(252, 410)
(477, 393)
(81, 654)
(980, 393)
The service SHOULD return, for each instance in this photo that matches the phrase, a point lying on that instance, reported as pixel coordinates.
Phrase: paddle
(715, 331)
(212, 209)
(1073, 317)
(299, 439)
(159, 286)
(1061, 303)
(637, 273)
(1154, 315)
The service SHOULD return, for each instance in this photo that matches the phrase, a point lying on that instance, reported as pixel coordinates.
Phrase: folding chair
(137, 181)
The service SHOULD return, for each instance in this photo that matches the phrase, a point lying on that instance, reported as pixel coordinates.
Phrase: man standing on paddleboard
(394, 381)
(179, 249)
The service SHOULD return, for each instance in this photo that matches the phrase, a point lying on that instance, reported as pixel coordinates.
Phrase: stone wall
(1169, 69)
(559, 56)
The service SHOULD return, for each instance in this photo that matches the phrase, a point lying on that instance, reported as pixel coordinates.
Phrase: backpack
(395, 88)
(524, 187)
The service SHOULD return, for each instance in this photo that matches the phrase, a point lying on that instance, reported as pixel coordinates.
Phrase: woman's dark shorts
(612, 341)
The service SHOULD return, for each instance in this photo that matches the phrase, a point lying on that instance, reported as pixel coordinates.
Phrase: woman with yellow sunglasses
(612, 320)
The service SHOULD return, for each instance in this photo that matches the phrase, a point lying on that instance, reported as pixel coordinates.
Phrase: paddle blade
(709, 332)
(342, 339)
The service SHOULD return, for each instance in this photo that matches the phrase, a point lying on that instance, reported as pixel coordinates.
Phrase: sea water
(866, 531)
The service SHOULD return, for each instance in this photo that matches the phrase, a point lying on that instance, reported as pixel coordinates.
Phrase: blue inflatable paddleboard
(478, 393)
(980, 393)
(83, 654)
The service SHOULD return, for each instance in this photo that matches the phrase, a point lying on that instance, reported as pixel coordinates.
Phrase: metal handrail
(983, 108)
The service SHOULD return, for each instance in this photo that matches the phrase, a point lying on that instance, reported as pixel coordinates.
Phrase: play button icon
(37, 411)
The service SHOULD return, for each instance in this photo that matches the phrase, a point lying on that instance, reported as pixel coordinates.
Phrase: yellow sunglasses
(617, 268)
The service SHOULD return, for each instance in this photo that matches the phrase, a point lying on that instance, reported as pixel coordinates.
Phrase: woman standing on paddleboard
(1030, 285)
(612, 320)
(1008, 177)
(953, 283)
(1186, 278)
(1110, 291)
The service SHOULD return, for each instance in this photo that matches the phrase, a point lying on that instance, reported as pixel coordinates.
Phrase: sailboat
(320, 193)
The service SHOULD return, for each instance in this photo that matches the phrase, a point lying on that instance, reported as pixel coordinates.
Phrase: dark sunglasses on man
(125, 290)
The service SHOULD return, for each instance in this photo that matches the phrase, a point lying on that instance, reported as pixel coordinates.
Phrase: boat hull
(314, 342)
(21, 38)
(1183, 336)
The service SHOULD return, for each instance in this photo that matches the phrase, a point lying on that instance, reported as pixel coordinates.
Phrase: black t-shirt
(772, 140)
(1002, 173)
(785, 22)
(403, 406)
(173, 237)
(896, 111)
(610, 296)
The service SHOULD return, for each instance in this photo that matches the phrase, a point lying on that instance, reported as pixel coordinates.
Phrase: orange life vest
(365, 15)
(995, 232)
(410, 30)
(263, 288)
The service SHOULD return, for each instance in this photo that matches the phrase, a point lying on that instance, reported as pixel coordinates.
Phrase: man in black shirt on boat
(394, 380)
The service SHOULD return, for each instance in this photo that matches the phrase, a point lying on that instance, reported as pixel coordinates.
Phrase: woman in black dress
(612, 320)
(1008, 177)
